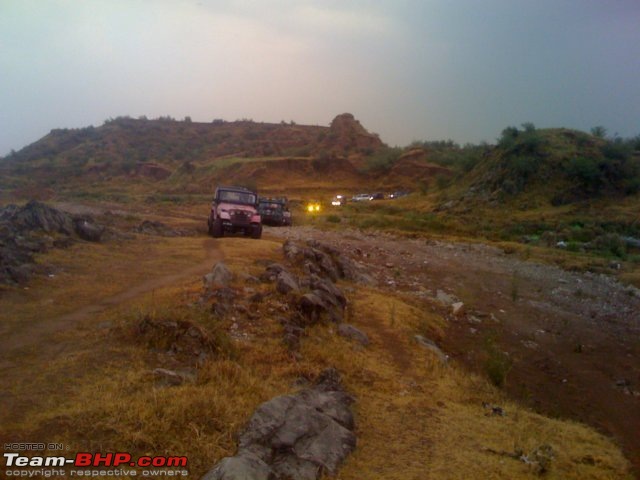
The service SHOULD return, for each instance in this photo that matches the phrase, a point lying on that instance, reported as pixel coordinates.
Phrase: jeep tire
(216, 229)
(256, 231)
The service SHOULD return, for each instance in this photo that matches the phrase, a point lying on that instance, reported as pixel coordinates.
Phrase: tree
(599, 131)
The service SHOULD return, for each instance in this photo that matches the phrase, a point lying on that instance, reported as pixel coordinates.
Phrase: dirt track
(574, 338)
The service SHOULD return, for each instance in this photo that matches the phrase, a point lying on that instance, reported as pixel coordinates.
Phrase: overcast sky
(407, 69)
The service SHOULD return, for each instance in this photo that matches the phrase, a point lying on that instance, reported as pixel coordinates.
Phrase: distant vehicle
(399, 194)
(339, 201)
(361, 197)
(234, 209)
(377, 196)
(275, 211)
(312, 207)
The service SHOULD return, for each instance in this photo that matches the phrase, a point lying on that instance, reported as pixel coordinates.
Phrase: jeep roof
(241, 191)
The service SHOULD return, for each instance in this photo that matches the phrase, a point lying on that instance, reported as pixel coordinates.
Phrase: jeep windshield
(271, 205)
(242, 198)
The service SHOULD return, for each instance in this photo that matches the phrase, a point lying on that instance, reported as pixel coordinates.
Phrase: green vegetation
(382, 160)
(448, 153)
(497, 363)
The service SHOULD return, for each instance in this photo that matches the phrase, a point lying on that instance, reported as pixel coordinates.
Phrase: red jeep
(234, 209)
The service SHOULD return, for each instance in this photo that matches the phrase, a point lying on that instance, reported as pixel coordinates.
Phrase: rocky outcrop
(347, 135)
(36, 228)
(299, 436)
(309, 287)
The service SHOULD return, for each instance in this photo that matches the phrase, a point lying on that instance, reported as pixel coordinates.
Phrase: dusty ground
(573, 338)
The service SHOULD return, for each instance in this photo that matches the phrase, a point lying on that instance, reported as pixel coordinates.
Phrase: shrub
(528, 127)
(599, 131)
(508, 137)
(586, 171)
(442, 181)
(333, 219)
(497, 364)
(383, 159)
(612, 244)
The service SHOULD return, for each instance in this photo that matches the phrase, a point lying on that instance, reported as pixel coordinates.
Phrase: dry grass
(416, 419)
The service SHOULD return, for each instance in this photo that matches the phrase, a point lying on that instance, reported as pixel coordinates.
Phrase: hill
(171, 156)
(536, 168)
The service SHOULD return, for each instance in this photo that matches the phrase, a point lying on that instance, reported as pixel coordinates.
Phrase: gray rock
(327, 286)
(290, 466)
(285, 283)
(457, 309)
(275, 268)
(445, 299)
(349, 331)
(312, 306)
(219, 277)
(36, 228)
(297, 436)
(240, 467)
(326, 264)
(88, 230)
(430, 345)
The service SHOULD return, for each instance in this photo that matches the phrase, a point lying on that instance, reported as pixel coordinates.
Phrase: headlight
(317, 207)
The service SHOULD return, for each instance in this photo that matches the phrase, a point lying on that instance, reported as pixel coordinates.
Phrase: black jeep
(275, 211)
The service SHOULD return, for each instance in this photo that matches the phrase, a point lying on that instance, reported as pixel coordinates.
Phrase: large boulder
(297, 436)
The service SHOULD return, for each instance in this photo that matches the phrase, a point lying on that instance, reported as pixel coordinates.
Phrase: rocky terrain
(35, 228)
(564, 343)
(568, 341)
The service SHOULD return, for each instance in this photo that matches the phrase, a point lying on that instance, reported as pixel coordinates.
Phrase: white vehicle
(339, 200)
(362, 197)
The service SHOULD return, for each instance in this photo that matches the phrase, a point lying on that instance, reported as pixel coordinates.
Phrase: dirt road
(573, 338)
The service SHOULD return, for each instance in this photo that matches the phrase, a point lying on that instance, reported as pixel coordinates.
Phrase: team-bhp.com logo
(94, 465)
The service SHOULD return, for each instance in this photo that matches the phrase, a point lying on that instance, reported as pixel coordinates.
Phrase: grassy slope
(415, 418)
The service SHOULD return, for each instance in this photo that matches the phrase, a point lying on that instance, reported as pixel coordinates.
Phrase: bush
(383, 159)
(612, 244)
(497, 364)
(333, 219)
(599, 131)
(508, 137)
(586, 171)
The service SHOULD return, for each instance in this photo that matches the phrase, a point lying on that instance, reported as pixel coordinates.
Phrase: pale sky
(407, 69)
